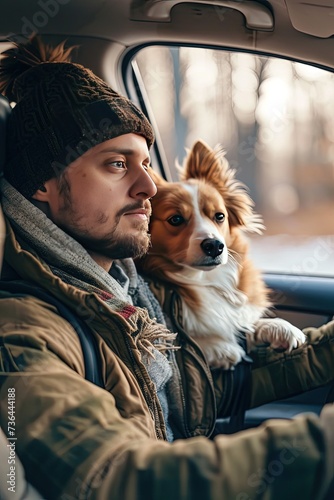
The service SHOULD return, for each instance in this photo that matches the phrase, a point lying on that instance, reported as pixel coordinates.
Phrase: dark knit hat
(62, 110)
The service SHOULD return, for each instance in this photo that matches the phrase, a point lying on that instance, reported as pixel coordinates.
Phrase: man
(76, 199)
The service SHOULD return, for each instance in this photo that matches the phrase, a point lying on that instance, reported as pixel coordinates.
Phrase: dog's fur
(221, 291)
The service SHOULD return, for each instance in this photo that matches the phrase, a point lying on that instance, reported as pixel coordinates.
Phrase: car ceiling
(302, 30)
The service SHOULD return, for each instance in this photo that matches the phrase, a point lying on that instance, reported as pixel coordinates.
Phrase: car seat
(5, 111)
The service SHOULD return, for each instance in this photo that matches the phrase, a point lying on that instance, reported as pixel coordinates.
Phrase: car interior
(222, 71)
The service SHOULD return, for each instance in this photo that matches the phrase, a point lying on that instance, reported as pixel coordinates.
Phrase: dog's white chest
(222, 309)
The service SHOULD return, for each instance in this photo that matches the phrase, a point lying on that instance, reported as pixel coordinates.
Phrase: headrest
(5, 111)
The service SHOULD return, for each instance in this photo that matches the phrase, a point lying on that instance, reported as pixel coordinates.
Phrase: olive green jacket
(77, 440)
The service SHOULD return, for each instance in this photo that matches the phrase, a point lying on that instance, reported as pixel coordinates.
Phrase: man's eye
(175, 220)
(219, 217)
(117, 164)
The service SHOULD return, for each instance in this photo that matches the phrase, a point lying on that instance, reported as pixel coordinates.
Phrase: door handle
(257, 16)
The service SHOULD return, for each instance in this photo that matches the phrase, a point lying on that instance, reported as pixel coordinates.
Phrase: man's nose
(143, 186)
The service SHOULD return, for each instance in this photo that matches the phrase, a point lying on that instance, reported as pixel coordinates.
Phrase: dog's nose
(212, 247)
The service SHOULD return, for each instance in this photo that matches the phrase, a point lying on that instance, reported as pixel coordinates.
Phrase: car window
(275, 120)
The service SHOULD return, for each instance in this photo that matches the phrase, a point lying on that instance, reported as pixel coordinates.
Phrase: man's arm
(280, 375)
(80, 447)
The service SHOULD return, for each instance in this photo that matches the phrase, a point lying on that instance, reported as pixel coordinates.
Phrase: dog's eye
(175, 220)
(220, 217)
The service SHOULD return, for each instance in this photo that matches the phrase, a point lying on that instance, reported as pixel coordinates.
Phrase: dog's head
(196, 221)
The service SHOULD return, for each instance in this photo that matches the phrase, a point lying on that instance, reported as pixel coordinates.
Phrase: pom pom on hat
(62, 110)
(21, 57)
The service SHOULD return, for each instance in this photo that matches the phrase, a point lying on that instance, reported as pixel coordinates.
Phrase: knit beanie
(62, 110)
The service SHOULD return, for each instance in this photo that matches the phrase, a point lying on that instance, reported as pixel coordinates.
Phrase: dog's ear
(206, 164)
(240, 207)
(200, 162)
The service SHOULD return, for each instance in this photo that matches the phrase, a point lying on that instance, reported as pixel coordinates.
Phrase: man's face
(103, 199)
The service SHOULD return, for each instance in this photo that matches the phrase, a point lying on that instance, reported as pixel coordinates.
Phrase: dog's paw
(224, 355)
(278, 333)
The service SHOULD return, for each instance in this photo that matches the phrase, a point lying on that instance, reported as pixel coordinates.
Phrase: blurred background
(275, 120)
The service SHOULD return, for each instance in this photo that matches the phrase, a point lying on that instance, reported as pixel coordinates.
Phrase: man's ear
(42, 193)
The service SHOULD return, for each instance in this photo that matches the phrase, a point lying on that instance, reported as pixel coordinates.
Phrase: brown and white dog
(198, 246)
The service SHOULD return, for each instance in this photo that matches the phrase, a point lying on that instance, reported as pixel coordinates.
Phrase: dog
(199, 248)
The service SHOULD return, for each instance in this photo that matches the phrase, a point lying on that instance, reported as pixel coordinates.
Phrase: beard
(114, 245)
